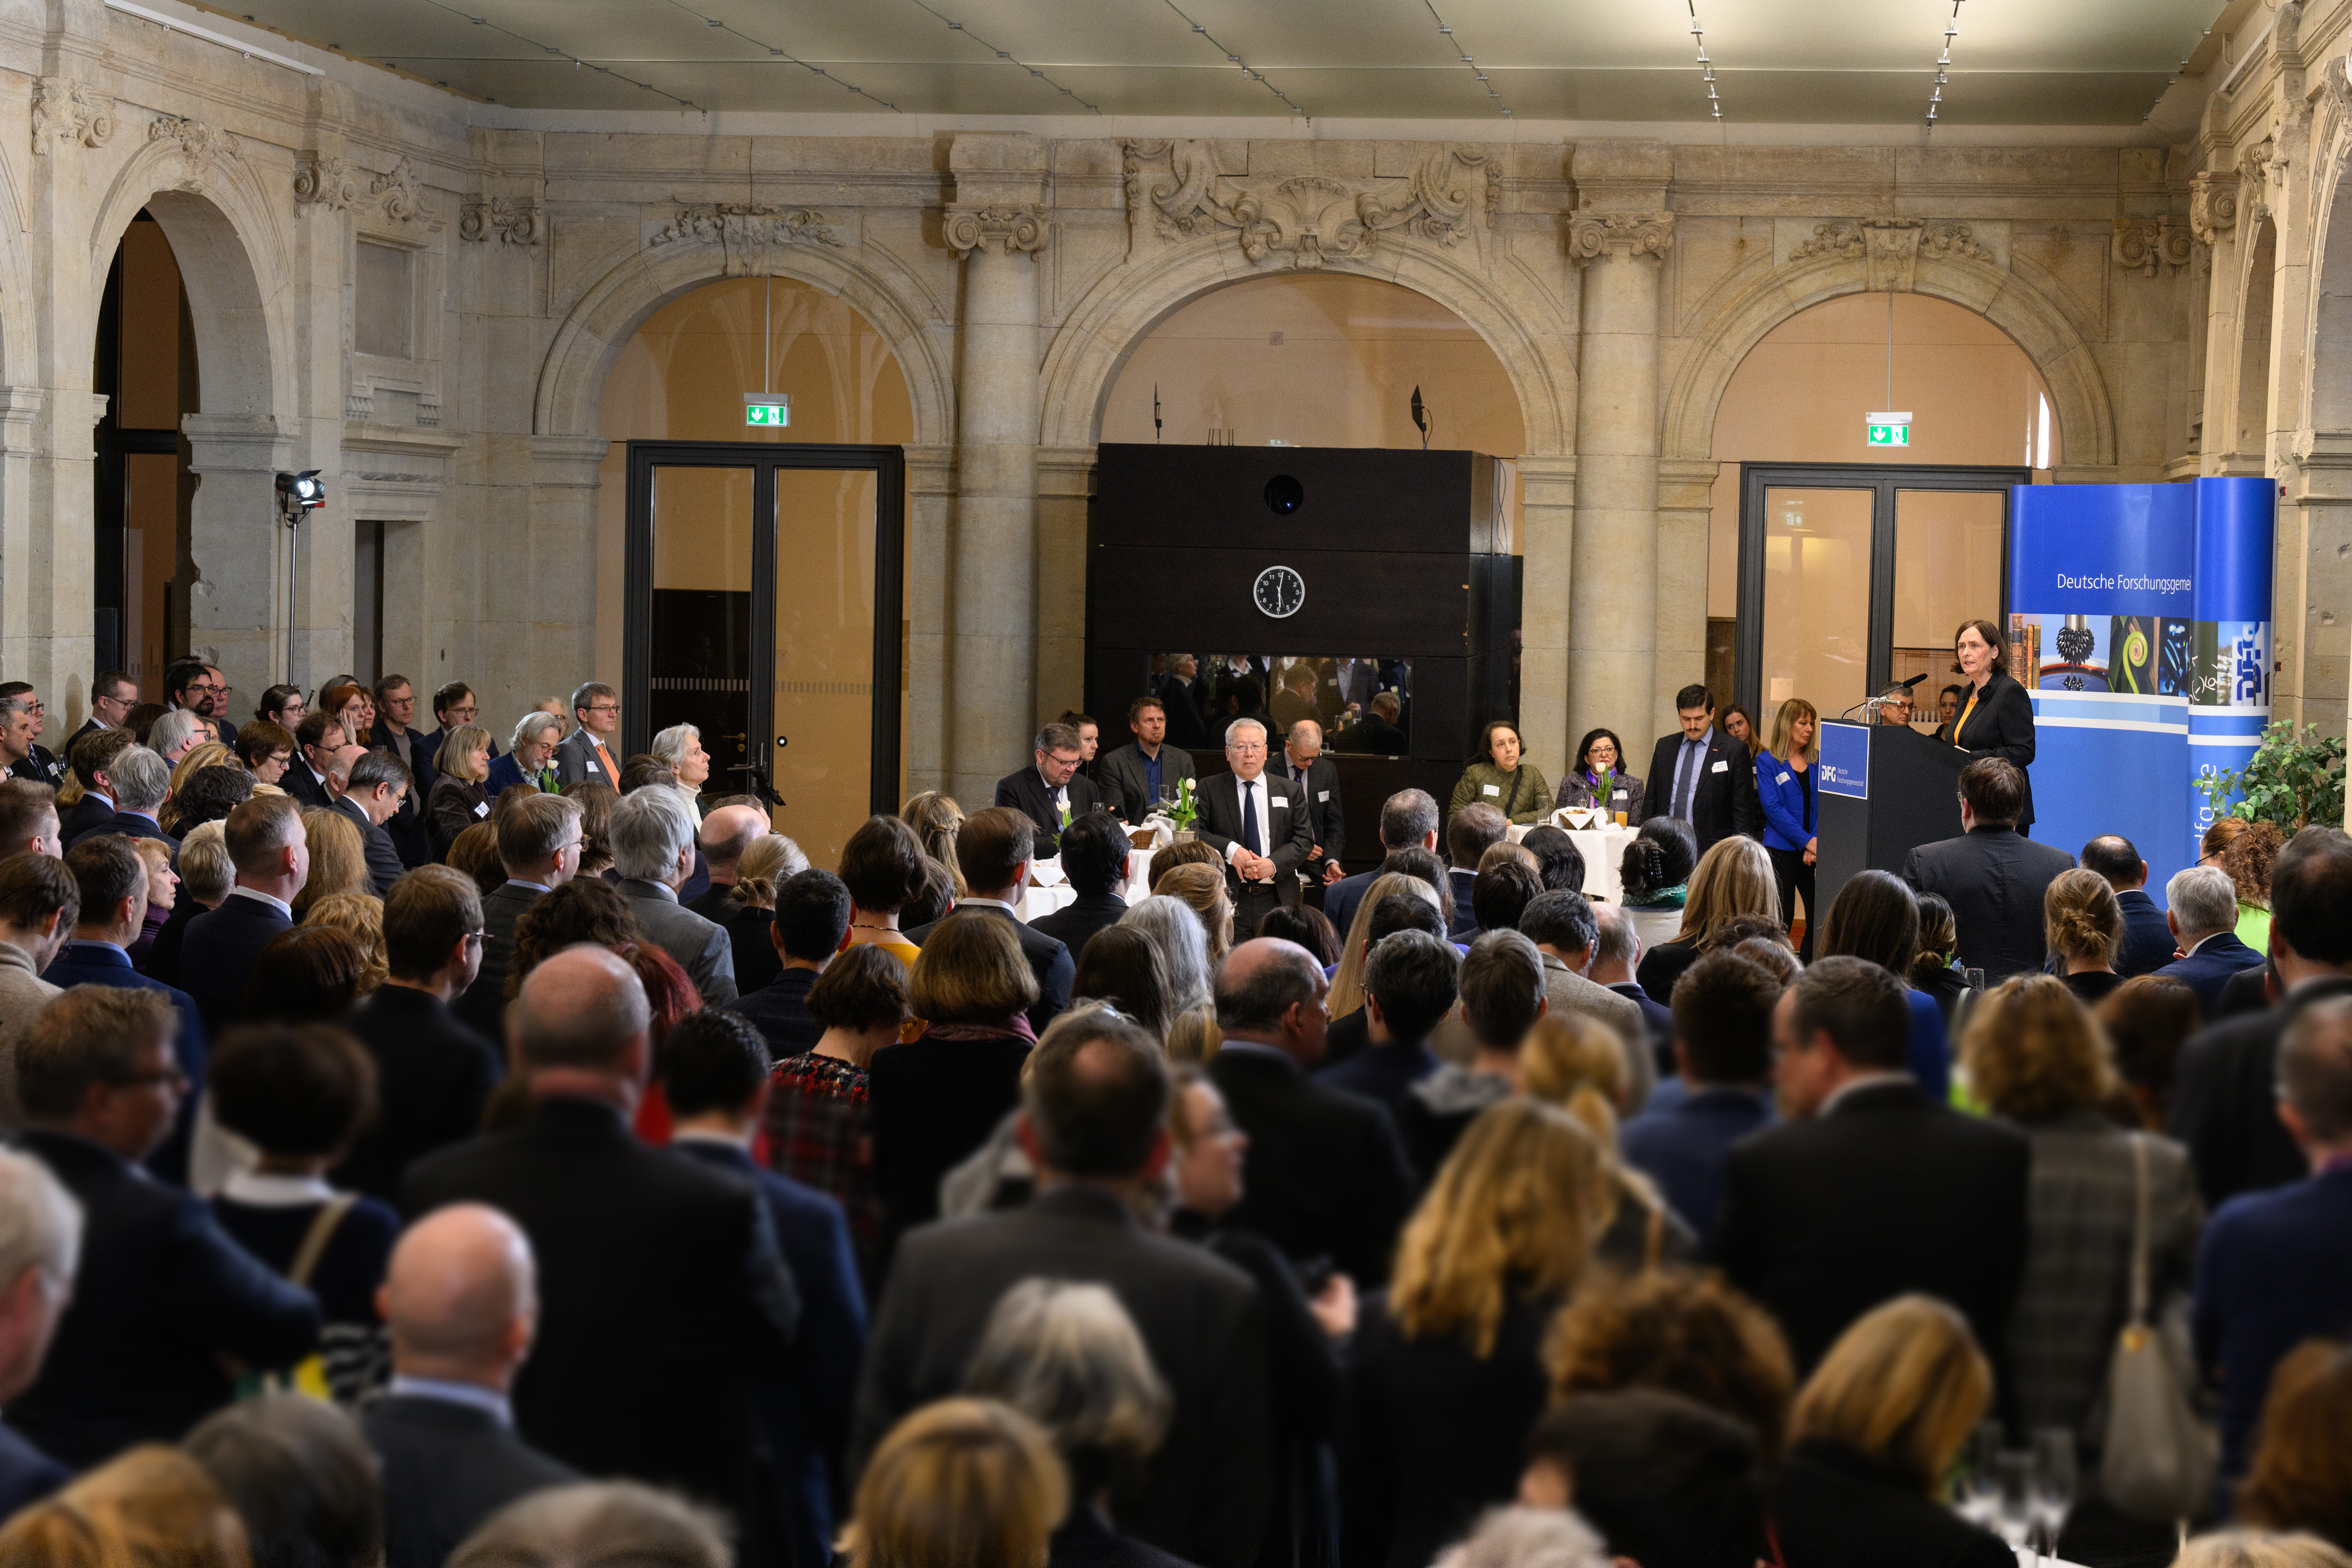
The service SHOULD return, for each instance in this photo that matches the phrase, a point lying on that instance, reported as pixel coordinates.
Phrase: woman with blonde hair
(2245, 848)
(1202, 890)
(460, 786)
(1784, 786)
(1448, 1375)
(2036, 1057)
(162, 897)
(1875, 1429)
(211, 754)
(2083, 923)
(361, 915)
(1348, 981)
(751, 909)
(1733, 879)
(964, 1483)
(337, 860)
(1577, 1063)
(2260, 1549)
(152, 1507)
(936, 818)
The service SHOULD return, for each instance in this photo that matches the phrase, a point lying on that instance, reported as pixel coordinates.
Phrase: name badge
(482, 808)
(1783, 778)
(1617, 795)
(1279, 802)
(1321, 796)
(1492, 789)
(592, 765)
(1720, 768)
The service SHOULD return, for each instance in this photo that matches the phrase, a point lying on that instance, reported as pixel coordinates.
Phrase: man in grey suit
(1992, 876)
(1136, 778)
(374, 785)
(653, 849)
(1259, 825)
(1565, 931)
(587, 753)
(1318, 778)
(539, 845)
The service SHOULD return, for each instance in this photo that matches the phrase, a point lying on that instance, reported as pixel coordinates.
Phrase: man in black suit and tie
(1095, 851)
(1136, 778)
(1258, 824)
(395, 706)
(142, 783)
(1702, 776)
(539, 845)
(1993, 876)
(2202, 924)
(2225, 1085)
(1094, 1120)
(992, 850)
(1054, 791)
(664, 1298)
(112, 696)
(316, 739)
(22, 755)
(92, 755)
(265, 841)
(2149, 941)
(461, 1301)
(373, 786)
(1871, 1189)
(164, 1300)
(1316, 778)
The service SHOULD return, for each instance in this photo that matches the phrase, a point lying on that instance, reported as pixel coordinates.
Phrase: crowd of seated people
(414, 1161)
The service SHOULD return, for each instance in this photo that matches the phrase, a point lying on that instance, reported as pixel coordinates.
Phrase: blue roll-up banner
(2140, 620)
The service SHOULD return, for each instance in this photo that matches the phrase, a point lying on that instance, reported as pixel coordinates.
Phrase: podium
(1883, 790)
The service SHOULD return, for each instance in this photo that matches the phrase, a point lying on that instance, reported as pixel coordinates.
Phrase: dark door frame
(1881, 480)
(888, 465)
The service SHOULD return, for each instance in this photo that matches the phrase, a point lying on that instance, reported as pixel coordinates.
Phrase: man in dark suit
(811, 917)
(715, 1076)
(2147, 939)
(1992, 876)
(1136, 778)
(1409, 821)
(1094, 1123)
(665, 1300)
(461, 1301)
(1377, 733)
(1723, 1054)
(993, 849)
(653, 849)
(433, 1074)
(316, 740)
(22, 755)
(375, 785)
(93, 756)
(1316, 778)
(1325, 1174)
(265, 841)
(1702, 776)
(1616, 954)
(163, 1298)
(112, 696)
(1258, 824)
(2274, 1269)
(28, 819)
(1182, 692)
(539, 846)
(1873, 1189)
(1095, 851)
(1054, 791)
(1472, 831)
(2202, 924)
(2225, 1085)
(111, 881)
(395, 707)
(587, 752)
(142, 782)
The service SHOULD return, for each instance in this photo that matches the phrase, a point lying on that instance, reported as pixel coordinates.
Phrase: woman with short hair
(266, 750)
(884, 867)
(963, 1483)
(820, 1130)
(680, 749)
(460, 786)
(1598, 779)
(1503, 778)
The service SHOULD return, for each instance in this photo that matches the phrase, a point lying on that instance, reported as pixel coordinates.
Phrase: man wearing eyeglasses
(112, 696)
(1054, 793)
(38, 764)
(539, 846)
(191, 686)
(588, 752)
(1259, 823)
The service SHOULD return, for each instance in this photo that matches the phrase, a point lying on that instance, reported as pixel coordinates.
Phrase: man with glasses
(37, 763)
(112, 696)
(453, 704)
(1054, 793)
(587, 752)
(1259, 823)
(22, 755)
(190, 687)
(434, 1072)
(141, 1351)
(539, 846)
(395, 731)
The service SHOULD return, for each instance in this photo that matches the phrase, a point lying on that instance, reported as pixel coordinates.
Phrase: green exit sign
(765, 408)
(1889, 429)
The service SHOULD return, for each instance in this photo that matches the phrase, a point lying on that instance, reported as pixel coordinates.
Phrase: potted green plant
(1181, 810)
(2296, 778)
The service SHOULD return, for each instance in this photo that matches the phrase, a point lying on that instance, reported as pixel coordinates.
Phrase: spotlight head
(301, 493)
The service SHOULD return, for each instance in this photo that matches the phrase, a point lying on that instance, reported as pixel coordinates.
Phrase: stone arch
(2251, 419)
(1114, 317)
(608, 314)
(2327, 342)
(2078, 393)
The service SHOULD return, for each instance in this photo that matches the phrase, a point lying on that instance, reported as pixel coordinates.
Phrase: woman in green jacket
(1500, 779)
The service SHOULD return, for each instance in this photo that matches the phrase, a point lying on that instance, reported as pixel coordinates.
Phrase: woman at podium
(1996, 715)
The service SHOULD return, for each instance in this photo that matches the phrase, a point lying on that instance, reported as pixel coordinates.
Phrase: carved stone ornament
(744, 232)
(1310, 220)
(514, 222)
(1014, 229)
(1836, 238)
(194, 137)
(403, 195)
(2257, 167)
(1894, 244)
(2213, 205)
(1629, 236)
(1955, 241)
(330, 183)
(2142, 244)
(66, 110)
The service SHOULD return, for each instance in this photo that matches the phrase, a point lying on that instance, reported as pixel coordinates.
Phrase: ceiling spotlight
(1701, 56)
(1443, 28)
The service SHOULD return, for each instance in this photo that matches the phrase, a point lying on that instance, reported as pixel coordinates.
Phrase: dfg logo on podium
(1845, 761)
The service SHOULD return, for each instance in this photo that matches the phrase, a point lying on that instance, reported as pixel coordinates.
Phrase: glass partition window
(1948, 565)
(823, 740)
(701, 644)
(1816, 599)
(1361, 702)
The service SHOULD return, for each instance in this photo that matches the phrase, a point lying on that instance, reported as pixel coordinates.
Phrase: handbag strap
(314, 1241)
(2139, 1228)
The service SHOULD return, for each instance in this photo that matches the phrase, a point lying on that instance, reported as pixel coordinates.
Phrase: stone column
(556, 630)
(1547, 542)
(1612, 629)
(1685, 504)
(242, 551)
(997, 225)
(931, 508)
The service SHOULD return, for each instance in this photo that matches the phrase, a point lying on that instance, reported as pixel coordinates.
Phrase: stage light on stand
(298, 495)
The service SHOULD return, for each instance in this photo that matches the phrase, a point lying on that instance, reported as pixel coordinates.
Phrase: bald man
(663, 1299)
(461, 1300)
(725, 834)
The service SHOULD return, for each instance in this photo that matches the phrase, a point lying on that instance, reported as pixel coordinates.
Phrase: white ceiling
(2085, 63)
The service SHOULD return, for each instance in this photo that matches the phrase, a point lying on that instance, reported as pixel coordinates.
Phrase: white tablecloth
(1058, 893)
(1603, 850)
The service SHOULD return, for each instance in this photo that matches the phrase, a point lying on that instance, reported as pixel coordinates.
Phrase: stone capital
(1637, 237)
(1010, 229)
(69, 112)
(2213, 205)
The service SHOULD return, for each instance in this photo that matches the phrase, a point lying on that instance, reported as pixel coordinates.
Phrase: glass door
(764, 593)
(1852, 578)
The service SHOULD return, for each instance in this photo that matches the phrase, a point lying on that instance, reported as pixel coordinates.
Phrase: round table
(1603, 850)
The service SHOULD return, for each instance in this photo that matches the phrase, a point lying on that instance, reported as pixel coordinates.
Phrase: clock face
(1279, 591)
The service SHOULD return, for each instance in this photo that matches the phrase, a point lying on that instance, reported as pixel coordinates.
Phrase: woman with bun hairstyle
(2084, 925)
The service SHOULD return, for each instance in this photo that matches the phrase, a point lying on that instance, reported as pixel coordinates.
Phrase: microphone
(1913, 680)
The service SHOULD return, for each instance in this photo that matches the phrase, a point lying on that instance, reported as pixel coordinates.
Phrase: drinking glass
(1980, 1490)
(2013, 1514)
(2053, 1480)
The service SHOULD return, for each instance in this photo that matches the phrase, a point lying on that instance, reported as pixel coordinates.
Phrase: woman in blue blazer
(1784, 784)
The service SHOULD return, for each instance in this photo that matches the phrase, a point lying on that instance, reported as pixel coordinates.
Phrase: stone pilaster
(1686, 501)
(1547, 544)
(560, 641)
(244, 554)
(997, 225)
